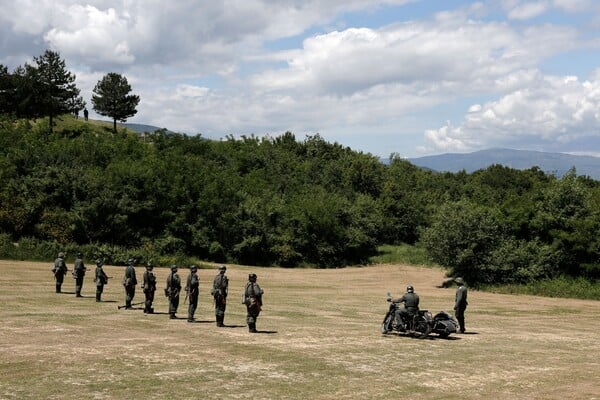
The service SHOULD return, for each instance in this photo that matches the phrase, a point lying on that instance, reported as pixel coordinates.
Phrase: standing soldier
(460, 303)
(253, 300)
(149, 287)
(101, 279)
(219, 292)
(60, 270)
(129, 281)
(192, 288)
(172, 291)
(78, 274)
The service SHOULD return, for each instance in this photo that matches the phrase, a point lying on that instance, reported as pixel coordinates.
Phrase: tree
(111, 98)
(54, 87)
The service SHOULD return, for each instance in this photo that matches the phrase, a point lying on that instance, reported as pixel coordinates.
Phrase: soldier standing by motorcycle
(101, 279)
(129, 282)
(192, 288)
(78, 274)
(253, 301)
(411, 306)
(172, 291)
(219, 292)
(60, 270)
(149, 287)
(460, 303)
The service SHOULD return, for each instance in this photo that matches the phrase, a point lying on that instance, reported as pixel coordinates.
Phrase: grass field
(319, 339)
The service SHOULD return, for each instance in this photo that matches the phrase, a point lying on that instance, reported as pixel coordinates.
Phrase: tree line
(47, 88)
(286, 202)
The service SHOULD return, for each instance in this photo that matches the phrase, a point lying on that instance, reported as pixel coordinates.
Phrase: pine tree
(111, 98)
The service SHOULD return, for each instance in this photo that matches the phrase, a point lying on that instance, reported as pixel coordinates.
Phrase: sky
(405, 77)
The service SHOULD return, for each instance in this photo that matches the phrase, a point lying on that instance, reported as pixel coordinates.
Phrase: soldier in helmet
(192, 288)
(60, 270)
(460, 303)
(172, 291)
(219, 292)
(129, 282)
(149, 287)
(253, 299)
(78, 274)
(101, 279)
(411, 305)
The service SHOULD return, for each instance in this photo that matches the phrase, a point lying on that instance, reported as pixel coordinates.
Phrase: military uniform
(172, 291)
(460, 303)
(78, 274)
(219, 292)
(101, 279)
(149, 287)
(411, 305)
(253, 300)
(129, 281)
(192, 288)
(60, 270)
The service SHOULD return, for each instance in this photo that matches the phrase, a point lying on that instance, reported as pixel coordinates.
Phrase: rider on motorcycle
(411, 305)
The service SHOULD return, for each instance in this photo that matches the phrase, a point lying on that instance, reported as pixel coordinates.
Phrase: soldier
(172, 291)
(78, 274)
(149, 287)
(60, 270)
(411, 306)
(101, 279)
(129, 281)
(219, 292)
(253, 300)
(192, 288)
(460, 303)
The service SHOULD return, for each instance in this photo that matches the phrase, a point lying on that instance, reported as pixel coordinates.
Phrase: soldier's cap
(99, 263)
(222, 268)
(149, 265)
(80, 254)
(173, 267)
(194, 268)
(459, 280)
(130, 261)
(61, 254)
(251, 276)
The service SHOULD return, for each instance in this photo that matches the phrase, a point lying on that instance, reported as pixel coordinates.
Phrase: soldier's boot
(218, 320)
(57, 288)
(98, 297)
(221, 321)
(150, 310)
(190, 318)
(128, 305)
(252, 327)
(172, 315)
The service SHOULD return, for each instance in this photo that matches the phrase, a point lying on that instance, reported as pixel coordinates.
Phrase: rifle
(134, 304)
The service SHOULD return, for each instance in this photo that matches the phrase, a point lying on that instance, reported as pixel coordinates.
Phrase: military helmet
(79, 254)
(149, 265)
(194, 268)
(61, 255)
(222, 268)
(410, 289)
(130, 261)
(252, 277)
(173, 267)
(99, 262)
(459, 280)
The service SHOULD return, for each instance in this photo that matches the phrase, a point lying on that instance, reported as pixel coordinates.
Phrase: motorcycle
(419, 325)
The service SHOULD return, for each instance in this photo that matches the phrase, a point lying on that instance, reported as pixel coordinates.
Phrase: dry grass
(320, 339)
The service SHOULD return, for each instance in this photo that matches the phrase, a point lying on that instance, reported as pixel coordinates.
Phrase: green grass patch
(565, 287)
(402, 254)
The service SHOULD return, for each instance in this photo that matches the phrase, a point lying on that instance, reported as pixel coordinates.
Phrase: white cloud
(528, 10)
(554, 109)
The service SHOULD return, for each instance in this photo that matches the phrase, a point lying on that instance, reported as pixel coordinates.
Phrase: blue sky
(397, 76)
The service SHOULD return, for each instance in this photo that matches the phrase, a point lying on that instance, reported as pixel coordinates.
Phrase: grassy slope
(320, 339)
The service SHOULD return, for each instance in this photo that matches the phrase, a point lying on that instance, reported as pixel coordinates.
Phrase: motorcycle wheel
(422, 329)
(386, 325)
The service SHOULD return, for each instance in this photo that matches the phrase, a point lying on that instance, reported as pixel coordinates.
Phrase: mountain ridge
(552, 163)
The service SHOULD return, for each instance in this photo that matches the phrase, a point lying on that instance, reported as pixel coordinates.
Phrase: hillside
(552, 163)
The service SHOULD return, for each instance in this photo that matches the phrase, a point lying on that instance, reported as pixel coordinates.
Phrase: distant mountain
(551, 163)
(142, 128)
